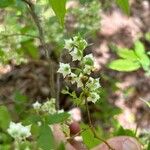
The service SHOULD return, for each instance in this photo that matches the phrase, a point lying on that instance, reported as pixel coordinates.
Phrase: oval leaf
(124, 65)
(124, 5)
(139, 48)
(46, 139)
(59, 7)
(127, 54)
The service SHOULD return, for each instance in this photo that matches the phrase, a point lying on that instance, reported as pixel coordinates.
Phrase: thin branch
(43, 43)
(92, 127)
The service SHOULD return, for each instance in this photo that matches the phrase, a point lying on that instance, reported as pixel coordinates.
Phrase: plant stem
(43, 43)
(92, 127)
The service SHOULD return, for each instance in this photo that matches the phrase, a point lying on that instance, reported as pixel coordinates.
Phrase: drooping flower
(72, 78)
(69, 44)
(87, 69)
(76, 54)
(79, 80)
(88, 60)
(64, 69)
(93, 84)
(49, 106)
(94, 97)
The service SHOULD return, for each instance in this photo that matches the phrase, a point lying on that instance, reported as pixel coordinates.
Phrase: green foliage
(124, 5)
(45, 140)
(88, 138)
(121, 131)
(124, 65)
(147, 36)
(6, 3)
(87, 18)
(4, 117)
(57, 118)
(59, 8)
(131, 59)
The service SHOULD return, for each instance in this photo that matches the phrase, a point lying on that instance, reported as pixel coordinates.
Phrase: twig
(43, 43)
(92, 127)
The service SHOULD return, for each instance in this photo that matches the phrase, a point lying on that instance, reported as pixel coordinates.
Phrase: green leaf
(124, 65)
(147, 36)
(6, 3)
(127, 54)
(61, 146)
(139, 48)
(4, 117)
(57, 118)
(59, 7)
(88, 139)
(145, 61)
(124, 5)
(20, 98)
(29, 47)
(121, 131)
(45, 140)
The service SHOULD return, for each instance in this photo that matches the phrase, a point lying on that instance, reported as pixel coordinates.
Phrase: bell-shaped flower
(64, 69)
(76, 54)
(93, 97)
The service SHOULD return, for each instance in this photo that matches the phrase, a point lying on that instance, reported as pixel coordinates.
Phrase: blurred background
(124, 107)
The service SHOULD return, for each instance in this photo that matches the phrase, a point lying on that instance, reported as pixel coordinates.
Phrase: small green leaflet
(6, 3)
(59, 7)
(126, 54)
(124, 5)
(124, 65)
(139, 48)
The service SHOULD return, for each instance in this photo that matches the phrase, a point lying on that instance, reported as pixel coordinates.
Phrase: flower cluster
(46, 107)
(81, 75)
(18, 131)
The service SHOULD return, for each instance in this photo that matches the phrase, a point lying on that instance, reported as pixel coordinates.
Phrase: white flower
(36, 105)
(18, 131)
(76, 54)
(49, 106)
(94, 97)
(79, 80)
(64, 69)
(25, 131)
(89, 59)
(68, 44)
(87, 69)
(93, 84)
(80, 42)
(72, 78)
(60, 111)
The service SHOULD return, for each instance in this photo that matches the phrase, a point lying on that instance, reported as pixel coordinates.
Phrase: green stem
(92, 127)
